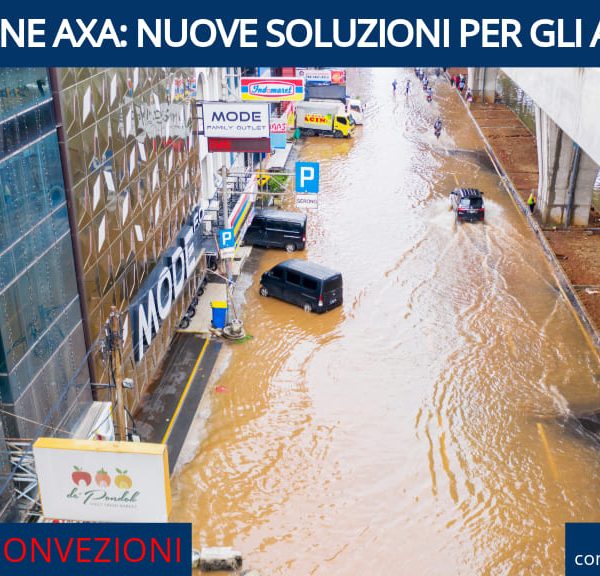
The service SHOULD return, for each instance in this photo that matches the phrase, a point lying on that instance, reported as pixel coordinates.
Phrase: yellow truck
(316, 118)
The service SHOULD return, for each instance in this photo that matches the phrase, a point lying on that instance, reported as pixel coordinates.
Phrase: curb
(561, 277)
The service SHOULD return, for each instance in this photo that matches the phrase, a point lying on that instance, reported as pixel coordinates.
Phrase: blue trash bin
(219, 313)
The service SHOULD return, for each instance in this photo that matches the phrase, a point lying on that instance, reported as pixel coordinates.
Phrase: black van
(277, 229)
(313, 287)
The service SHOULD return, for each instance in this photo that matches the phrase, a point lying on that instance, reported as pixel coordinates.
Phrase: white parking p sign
(226, 238)
(307, 177)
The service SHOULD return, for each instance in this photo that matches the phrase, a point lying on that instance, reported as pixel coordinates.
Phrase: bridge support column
(482, 82)
(567, 175)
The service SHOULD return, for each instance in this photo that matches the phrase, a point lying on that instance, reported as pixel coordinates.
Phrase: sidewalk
(168, 408)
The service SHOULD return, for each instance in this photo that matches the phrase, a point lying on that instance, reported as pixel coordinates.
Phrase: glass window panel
(87, 110)
(76, 159)
(97, 192)
(66, 77)
(82, 204)
(100, 94)
(22, 88)
(87, 246)
(117, 130)
(70, 111)
(101, 233)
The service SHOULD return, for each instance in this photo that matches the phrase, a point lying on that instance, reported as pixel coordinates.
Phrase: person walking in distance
(531, 202)
(407, 89)
(394, 85)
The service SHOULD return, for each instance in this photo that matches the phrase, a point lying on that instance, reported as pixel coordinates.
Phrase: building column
(566, 175)
(482, 83)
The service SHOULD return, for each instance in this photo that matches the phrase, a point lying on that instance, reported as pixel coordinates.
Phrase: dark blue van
(277, 229)
(310, 286)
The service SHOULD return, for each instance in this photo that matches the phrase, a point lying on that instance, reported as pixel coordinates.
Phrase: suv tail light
(303, 238)
(321, 301)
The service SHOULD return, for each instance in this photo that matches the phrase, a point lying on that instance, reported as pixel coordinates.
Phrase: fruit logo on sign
(79, 477)
(83, 479)
(88, 494)
(122, 480)
(102, 478)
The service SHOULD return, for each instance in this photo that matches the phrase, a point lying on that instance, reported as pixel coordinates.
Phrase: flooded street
(422, 428)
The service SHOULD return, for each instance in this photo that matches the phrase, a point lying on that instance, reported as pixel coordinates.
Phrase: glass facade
(134, 175)
(43, 373)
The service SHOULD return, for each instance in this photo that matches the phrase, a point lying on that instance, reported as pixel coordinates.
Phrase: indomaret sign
(162, 288)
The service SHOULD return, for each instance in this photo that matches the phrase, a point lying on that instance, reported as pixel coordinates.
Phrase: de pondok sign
(97, 481)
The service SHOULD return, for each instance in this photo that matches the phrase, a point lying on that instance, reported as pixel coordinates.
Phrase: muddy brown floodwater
(423, 428)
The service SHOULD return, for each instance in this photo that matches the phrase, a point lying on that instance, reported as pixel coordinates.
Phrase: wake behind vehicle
(310, 286)
(467, 204)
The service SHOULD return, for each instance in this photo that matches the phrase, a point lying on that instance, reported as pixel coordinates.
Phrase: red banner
(239, 144)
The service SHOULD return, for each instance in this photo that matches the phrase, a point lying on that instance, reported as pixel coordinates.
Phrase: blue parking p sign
(307, 177)
(226, 238)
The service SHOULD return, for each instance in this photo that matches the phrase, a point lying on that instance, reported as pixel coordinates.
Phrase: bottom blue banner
(96, 549)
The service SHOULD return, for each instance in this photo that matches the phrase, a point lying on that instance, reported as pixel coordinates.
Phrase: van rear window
(333, 283)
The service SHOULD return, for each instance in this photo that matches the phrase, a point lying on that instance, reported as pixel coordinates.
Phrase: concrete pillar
(482, 82)
(559, 169)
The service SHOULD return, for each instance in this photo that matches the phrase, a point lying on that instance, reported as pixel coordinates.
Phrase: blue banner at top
(307, 33)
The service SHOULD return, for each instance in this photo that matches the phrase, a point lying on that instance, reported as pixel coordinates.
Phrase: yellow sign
(96, 481)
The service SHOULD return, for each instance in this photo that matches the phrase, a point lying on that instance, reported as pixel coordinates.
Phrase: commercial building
(102, 177)
(43, 370)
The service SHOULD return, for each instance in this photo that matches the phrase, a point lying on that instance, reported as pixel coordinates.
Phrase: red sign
(338, 76)
(239, 144)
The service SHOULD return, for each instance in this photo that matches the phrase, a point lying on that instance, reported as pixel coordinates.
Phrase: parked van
(277, 229)
(310, 286)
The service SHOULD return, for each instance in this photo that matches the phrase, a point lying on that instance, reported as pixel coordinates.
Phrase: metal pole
(572, 182)
(260, 180)
(225, 196)
(116, 350)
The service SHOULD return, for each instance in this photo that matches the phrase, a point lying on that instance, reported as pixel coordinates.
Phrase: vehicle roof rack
(469, 192)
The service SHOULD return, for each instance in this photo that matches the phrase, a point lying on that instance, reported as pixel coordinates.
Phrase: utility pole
(115, 349)
(225, 198)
